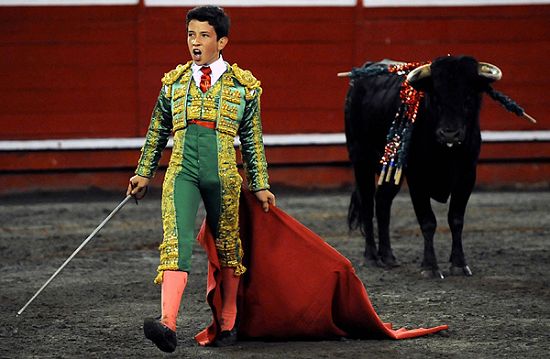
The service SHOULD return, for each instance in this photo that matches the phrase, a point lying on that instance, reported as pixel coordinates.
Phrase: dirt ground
(95, 307)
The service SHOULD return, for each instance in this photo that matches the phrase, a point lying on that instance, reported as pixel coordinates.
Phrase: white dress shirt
(218, 67)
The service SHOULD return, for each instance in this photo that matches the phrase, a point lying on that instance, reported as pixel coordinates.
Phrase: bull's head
(453, 88)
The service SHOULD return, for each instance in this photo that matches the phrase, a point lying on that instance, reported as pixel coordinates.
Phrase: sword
(98, 228)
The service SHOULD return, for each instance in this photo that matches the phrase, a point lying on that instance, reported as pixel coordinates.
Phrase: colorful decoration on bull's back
(399, 135)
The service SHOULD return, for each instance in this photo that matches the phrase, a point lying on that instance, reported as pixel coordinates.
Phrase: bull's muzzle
(450, 137)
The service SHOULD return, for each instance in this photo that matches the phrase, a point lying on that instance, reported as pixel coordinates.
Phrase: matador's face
(203, 44)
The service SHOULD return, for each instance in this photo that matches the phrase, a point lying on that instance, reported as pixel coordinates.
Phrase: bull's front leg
(384, 199)
(428, 224)
(455, 217)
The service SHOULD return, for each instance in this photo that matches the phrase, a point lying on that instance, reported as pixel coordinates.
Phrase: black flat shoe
(163, 337)
(226, 338)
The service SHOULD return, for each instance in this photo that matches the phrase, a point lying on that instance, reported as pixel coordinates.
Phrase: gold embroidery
(149, 151)
(232, 95)
(179, 92)
(227, 126)
(228, 243)
(178, 107)
(169, 246)
(203, 106)
(257, 176)
(227, 80)
(248, 80)
(173, 75)
(229, 111)
(186, 77)
(245, 77)
(261, 164)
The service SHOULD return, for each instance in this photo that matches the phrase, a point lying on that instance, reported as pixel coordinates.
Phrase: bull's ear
(421, 78)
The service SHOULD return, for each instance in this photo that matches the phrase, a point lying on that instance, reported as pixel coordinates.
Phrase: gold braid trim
(261, 163)
(168, 257)
(239, 270)
(148, 151)
(248, 80)
(173, 75)
(169, 246)
(228, 243)
(160, 276)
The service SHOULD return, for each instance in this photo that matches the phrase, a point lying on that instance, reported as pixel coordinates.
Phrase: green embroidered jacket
(235, 108)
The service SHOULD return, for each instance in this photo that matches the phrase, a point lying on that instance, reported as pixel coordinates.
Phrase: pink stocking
(230, 286)
(173, 285)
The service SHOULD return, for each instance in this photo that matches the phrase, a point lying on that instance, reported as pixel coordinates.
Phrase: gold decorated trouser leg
(228, 243)
(200, 167)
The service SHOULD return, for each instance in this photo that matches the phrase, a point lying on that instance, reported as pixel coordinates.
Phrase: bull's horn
(419, 73)
(489, 71)
(484, 69)
(344, 74)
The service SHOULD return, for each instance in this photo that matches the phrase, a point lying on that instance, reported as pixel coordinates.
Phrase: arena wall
(85, 75)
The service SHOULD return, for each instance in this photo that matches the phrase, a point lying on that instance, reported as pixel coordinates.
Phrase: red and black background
(74, 72)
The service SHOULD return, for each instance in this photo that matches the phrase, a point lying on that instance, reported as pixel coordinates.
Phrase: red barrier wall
(94, 72)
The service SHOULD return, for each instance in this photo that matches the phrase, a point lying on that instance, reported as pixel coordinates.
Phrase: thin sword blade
(98, 228)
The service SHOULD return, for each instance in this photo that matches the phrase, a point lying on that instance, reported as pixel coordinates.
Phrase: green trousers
(200, 169)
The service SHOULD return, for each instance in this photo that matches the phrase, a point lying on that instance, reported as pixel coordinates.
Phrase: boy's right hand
(137, 186)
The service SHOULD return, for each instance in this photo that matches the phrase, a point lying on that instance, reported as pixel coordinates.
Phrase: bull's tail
(355, 212)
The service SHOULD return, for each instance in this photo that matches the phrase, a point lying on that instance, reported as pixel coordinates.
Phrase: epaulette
(246, 79)
(172, 76)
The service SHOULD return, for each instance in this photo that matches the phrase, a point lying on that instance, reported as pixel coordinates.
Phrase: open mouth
(196, 54)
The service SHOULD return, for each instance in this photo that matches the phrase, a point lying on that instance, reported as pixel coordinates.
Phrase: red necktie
(205, 78)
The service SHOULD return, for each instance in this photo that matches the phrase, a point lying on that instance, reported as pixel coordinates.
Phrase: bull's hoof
(390, 262)
(459, 271)
(431, 273)
(374, 261)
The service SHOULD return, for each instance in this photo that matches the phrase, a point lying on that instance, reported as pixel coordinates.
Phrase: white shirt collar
(218, 67)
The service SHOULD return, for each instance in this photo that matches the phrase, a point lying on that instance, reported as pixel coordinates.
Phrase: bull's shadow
(419, 122)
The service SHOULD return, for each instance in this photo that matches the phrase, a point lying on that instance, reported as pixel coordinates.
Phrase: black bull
(442, 155)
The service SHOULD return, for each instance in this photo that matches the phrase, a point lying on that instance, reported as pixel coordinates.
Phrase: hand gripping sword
(98, 228)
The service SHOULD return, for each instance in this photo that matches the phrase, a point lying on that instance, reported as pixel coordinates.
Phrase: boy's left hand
(266, 198)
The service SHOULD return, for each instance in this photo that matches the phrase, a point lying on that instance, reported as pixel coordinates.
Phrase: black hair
(214, 15)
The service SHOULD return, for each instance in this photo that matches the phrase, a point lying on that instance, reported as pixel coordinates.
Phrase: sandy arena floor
(95, 307)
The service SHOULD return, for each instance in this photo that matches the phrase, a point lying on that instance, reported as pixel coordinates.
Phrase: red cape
(296, 286)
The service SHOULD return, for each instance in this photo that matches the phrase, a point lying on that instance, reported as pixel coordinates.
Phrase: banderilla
(98, 228)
